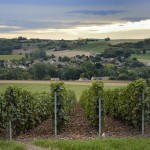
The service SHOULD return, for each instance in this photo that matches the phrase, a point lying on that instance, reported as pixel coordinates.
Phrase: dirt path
(78, 127)
(106, 82)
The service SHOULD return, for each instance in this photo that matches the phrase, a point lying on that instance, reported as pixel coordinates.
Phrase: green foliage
(38, 54)
(126, 103)
(90, 101)
(116, 52)
(7, 45)
(65, 101)
(25, 109)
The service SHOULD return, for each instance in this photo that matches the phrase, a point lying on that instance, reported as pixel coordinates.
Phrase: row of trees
(74, 71)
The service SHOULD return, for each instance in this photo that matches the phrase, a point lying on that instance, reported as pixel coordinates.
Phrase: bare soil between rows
(79, 128)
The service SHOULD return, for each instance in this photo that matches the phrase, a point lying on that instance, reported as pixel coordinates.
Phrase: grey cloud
(98, 12)
(134, 19)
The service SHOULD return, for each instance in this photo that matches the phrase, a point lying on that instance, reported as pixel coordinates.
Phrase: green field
(100, 46)
(43, 87)
(103, 144)
(94, 47)
(10, 145)
(141, 56)
(39, 87)
(11, 57)
(113, 42)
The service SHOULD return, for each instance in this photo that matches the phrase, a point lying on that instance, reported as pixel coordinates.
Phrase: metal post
(55, 113)
(10, 130)
(143, 116)
(100, 117)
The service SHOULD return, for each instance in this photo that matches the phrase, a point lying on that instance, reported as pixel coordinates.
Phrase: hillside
(97, 46)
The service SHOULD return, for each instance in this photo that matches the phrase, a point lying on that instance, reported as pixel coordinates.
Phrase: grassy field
(11, 57)
(10, 145)
(69, 53)
(43, 87)
(94, 47)
(113, 42)
(141, 56)
(100, 46)
(103, 144)
(39, 86)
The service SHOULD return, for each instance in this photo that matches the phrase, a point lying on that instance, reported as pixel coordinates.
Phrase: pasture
(142, 58)
(97, 46)
(118, 41)
(40, 86)
(69, 53)
(11, 57)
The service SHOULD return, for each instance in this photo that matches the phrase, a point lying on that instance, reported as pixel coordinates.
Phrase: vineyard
(26, 110)
(124, 104)
(23, 111)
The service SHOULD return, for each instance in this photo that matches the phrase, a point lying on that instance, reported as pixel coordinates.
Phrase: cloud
(96, 12)
(27, 24)
(134, 19)
(7, 28)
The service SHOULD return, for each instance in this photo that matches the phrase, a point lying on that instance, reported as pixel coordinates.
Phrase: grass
(39, 87)
(11, 57)
(43, 87)
(101, 144)
(69, 53)
(141, 56)
(94, 47)
(10, 145)
(118, 41)
(100, 46)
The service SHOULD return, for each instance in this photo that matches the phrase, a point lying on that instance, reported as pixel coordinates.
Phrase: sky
(73, 19)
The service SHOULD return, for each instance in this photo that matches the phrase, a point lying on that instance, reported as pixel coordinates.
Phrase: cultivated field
(113, 42)
(69, 53)
(98, 46)
(39, 86)
(11, 57)
(142, 58)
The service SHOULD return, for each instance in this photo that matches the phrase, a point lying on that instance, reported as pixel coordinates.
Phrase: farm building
(55, 79)
(83, 79)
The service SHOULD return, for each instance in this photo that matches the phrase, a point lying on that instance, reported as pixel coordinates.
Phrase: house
(83, 79)
(100, 78)
(55, 79)
(148, 64)
(96, 78)
(104, 78)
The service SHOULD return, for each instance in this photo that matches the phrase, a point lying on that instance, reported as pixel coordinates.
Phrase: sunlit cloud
(10, 27)
(98, 31)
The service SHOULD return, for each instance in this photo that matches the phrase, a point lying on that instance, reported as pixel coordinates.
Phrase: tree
(65, 59)
(39, 71)
(38, 54)
(107, 39)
